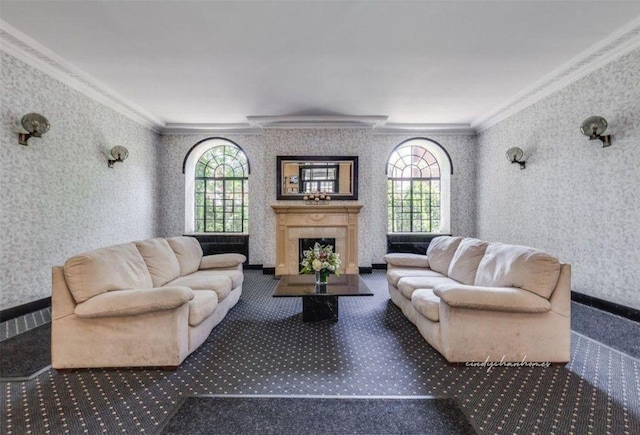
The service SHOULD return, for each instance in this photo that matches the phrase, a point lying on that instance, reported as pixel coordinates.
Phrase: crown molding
(316, 122)
(197, 129)
(31, 52)
(619, 43)
(26, 49)
(442, 129)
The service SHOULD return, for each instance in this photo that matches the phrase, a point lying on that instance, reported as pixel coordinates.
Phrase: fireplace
(305, 244)
(295, 222)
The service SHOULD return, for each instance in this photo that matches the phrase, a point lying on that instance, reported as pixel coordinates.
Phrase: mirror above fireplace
(336, 176)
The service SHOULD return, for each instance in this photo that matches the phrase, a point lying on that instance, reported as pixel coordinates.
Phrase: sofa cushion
(396, 274)
(118, 267)
(466, 259)
(222, 261)
(236, 276)
(160, 260)
(408, 285)
(440, 252)
(220, 284)
(188, 252)
(202, 305)
(492, 298)
(518, 266)
(134, 302)
(406, 260)
(426, 303)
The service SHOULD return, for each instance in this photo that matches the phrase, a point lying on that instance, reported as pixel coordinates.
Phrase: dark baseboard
(268, 270)
(379, 266)
(610, 307)
(21, 310)
(252, 266)
(363, 269)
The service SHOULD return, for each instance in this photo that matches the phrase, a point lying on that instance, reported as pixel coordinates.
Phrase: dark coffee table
(320, 302)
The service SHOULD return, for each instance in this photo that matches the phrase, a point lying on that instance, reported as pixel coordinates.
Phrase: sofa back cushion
(466, 259)
(160, 260)
(518, 266)
(118, 267)
(188, 252)
(441, 251)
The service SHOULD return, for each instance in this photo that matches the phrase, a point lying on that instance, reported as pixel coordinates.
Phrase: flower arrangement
(316, 197)
(321, 260)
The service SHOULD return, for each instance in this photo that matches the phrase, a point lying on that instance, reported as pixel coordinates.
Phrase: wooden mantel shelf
(336, 221)
(303, 208)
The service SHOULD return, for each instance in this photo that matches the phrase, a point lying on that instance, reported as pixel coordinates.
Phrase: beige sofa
(148, 303)
(475, 301)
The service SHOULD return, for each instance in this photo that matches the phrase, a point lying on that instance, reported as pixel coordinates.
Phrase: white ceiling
(415, 62)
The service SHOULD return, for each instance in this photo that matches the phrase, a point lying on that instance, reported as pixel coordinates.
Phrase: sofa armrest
(219, 261)
(131, 302)
(407, 260)
(491, 298)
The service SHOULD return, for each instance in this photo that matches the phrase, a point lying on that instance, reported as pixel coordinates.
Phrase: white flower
(316, 264)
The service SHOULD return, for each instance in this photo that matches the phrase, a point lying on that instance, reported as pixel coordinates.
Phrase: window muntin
(414, 190)
(221, 190)
(319, 178)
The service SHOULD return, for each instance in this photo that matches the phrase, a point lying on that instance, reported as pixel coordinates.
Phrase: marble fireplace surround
(294, 222)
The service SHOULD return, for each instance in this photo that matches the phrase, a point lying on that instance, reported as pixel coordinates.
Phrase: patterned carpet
(262, 347)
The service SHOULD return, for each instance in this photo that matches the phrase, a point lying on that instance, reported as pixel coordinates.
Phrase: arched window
(219, 201)
(418, 172)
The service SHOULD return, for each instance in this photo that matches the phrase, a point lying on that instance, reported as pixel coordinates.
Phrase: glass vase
(322, 276)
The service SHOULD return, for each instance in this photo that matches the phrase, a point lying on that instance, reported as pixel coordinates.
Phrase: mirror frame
(299, 196)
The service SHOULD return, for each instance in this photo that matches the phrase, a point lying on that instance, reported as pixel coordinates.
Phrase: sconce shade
(515, 155)
(594, 127)
(35, 125)
(118, 154)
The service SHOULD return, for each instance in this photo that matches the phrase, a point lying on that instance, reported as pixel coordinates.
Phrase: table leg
(316, 308)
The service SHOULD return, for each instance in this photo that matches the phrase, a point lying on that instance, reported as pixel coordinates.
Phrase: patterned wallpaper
(575, 199)
(58, 196)
(372, 151)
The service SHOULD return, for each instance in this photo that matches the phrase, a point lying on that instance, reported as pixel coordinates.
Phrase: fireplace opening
(306, 244)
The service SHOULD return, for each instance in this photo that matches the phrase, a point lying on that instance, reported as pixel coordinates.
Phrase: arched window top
(202, 147)
(412, 161)
(223, 161)
(419, 182)
(436, 151)
(216, 187)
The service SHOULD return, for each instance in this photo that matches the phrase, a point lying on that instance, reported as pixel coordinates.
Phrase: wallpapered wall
(58, 196)
(575, 199)
(372, 150)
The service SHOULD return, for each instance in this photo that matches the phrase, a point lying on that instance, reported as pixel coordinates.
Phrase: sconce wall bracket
(24, 137)
(522, 164)
(606, 140)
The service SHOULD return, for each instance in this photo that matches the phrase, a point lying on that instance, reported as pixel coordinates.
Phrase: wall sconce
(593, 127)
(118, 154)
(514, 155)
(35, 125)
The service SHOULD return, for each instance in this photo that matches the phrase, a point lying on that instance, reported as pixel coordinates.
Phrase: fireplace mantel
(294, 222)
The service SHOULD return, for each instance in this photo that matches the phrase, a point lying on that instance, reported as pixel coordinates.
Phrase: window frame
(189, 171)
(443, 159)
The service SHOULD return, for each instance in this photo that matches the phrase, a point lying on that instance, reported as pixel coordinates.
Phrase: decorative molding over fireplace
(294, 222)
